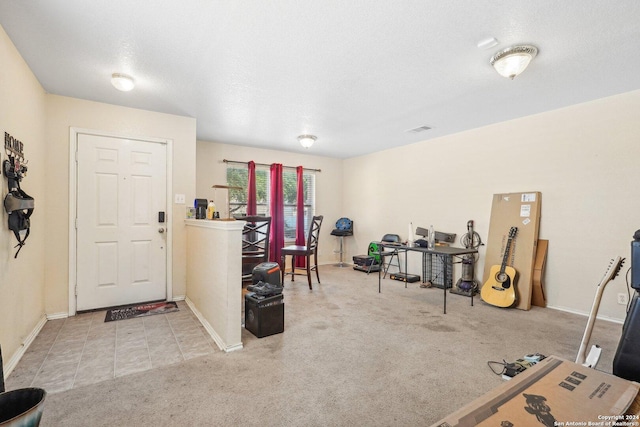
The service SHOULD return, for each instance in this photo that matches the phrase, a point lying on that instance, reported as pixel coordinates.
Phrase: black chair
(344, 227)
(255, 243)
(311, 248)
(391, 253)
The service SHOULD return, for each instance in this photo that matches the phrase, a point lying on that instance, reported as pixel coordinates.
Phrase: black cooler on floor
(263, 316)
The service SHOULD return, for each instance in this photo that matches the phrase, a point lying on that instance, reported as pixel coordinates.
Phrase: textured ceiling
(358, 74)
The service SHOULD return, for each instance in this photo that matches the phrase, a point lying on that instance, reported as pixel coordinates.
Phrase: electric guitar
(499, 289)
(592, 358)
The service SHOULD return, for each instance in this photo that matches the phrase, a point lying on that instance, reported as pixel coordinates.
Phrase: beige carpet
(348, 357)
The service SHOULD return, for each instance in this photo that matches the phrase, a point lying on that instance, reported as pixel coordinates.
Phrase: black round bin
(22, 407)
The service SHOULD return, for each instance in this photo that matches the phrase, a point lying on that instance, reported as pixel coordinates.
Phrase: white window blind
(238, 175)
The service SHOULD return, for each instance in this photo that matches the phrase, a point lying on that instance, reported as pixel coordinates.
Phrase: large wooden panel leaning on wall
(521, 210)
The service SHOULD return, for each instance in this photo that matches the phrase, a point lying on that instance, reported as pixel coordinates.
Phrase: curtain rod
(264, 164)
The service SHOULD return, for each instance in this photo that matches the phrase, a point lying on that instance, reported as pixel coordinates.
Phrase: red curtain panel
(251, 191)
(300, 261)
(276, 210)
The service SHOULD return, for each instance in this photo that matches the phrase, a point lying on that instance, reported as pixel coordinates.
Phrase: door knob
(160, 230)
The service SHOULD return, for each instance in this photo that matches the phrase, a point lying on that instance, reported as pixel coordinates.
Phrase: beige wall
(63, 113)
(22, 115)
(37, 282)
(211, 170)
(584, 160)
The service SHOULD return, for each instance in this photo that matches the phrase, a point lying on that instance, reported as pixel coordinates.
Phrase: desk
(446, 252)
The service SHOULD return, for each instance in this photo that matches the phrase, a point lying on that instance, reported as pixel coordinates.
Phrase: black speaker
(626, 363)
(264, 316)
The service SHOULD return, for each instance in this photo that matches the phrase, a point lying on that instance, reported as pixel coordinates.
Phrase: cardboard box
(554, 392)
(537, 295)
(521, 210)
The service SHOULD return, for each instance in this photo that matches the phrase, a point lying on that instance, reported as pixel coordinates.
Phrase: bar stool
(344, 227)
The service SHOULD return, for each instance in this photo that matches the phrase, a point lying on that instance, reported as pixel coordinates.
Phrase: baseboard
(572, 311)
(218, 340)
(13, 362)
(178, 298)
(56, 316)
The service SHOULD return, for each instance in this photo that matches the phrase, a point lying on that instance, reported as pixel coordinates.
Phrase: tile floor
(84, 349)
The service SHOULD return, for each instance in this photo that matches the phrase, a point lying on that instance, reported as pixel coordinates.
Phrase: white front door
(121, 244)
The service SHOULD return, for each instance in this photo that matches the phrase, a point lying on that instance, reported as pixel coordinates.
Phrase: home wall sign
(13, 146)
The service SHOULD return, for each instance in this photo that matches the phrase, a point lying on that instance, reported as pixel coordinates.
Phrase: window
(238, 175)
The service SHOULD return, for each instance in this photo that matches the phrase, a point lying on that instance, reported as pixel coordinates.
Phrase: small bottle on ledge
(211, 210)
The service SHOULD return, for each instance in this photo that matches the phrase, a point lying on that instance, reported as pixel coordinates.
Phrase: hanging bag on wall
(18, 204)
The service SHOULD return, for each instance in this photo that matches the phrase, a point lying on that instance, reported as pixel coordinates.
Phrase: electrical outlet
(623, 299)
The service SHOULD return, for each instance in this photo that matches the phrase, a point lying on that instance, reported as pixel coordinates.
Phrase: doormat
(140, 310)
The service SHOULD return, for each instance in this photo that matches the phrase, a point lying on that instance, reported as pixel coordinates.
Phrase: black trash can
(22, 407)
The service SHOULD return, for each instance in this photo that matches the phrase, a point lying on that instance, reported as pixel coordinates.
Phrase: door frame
(74, 132)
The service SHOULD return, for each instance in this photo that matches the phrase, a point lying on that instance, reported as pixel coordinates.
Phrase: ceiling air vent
(419, 129)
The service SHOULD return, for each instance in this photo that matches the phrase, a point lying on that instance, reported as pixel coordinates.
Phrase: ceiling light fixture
(513, 60)
(307, 140)
(122, 82)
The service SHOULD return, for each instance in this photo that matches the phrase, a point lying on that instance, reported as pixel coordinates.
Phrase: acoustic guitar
(499, 289)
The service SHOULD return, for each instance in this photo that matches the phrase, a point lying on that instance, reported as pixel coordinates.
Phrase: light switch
(179, 199)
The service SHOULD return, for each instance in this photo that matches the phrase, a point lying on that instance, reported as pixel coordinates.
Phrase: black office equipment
(201, 208)
(364, 263)
(404, 277)
(439, 236)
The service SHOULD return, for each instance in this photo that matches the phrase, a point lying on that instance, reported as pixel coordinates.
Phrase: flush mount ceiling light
(307, 140)
(513, 60)
(122, 82)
